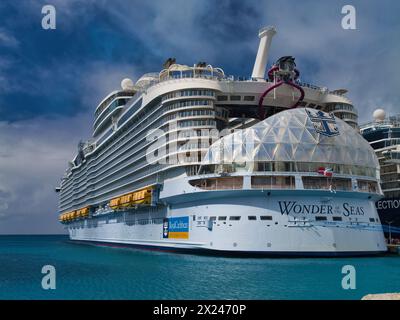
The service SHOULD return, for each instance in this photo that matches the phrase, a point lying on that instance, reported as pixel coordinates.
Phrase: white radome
(379, 115)
(127, 84)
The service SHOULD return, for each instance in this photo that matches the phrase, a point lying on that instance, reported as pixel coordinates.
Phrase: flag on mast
(327, 172)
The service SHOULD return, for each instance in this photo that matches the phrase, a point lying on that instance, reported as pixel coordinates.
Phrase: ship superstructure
(383, 134)
(153, 174)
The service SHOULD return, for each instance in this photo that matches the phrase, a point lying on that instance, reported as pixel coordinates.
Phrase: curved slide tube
(261, 111)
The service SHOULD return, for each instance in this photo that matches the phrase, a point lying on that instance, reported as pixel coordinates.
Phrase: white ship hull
(292, 230)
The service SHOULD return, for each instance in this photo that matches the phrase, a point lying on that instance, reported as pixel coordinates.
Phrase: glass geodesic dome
(296, 136)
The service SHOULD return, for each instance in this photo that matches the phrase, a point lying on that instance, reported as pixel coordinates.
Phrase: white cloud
(99, 79)
(364, 61)
(32, 159)
(7, 39)
(34, 153)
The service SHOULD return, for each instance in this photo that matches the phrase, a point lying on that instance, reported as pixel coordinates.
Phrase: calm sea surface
(92, 272)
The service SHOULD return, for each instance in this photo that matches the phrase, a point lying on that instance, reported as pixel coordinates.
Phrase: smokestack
(265, 34)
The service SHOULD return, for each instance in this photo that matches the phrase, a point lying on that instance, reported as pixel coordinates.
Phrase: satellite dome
(379, 115)
(127, 84)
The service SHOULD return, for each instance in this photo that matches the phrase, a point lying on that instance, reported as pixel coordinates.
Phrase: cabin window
(337, 184)
(234, 218)
(320, 218)
(337, 218)
(252, 217)
(273, 182)
(249, 98)
(282, 166)
(221, 218)
(266, 217)
(367, 186)
(218, 183)
(235, 98)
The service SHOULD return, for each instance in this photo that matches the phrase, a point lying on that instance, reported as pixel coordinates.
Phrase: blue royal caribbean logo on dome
(324, 123)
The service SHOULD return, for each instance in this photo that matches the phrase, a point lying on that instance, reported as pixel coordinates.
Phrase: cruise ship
(383, 134)
(192, 159)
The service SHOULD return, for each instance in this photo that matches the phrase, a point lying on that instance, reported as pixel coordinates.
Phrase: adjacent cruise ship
(190, 158)
(383, 134)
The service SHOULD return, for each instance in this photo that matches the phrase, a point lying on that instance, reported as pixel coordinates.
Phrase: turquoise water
(92, 272)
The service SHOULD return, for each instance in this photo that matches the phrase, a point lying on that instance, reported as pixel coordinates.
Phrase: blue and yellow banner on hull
(176, 228)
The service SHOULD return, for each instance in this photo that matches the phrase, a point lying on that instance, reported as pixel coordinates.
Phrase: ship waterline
(191, 159)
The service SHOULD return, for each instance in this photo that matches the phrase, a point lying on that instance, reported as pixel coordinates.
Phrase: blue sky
(52, 80)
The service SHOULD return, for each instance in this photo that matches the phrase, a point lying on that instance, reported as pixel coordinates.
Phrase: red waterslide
(261, 111)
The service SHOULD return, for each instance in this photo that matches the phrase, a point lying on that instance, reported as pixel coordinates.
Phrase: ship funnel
(265, 34)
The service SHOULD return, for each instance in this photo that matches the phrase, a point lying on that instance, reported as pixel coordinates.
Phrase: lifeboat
(69, 216)
(82, 213)
(85, 212)
(114, 203)
(125, 201)
(140, 197)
